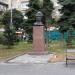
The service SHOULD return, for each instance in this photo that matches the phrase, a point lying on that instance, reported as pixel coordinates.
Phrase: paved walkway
(37, 69)
(32, 58)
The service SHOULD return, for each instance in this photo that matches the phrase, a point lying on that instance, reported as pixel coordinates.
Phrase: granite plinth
(38, 40)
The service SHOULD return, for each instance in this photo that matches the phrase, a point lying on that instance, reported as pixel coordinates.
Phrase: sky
(56, 14)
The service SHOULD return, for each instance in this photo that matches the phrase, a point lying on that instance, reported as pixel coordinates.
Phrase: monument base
(39, 46)
(39, 53)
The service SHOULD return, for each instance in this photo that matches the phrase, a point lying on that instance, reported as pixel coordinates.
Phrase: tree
(17, 18)
(9, 37)
(67, 21)
(68, 18)
(45, 7)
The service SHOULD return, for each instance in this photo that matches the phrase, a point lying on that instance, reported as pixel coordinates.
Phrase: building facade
(20, 5)
(3, 5)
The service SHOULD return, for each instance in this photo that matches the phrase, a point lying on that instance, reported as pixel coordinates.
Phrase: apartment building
(3, 5)
(20, 5)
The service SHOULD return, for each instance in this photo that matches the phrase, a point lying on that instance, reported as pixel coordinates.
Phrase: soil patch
(57, 58)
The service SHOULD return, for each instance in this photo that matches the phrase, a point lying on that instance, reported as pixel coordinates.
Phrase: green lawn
(20, 48)
(23, 47)
(57, 46)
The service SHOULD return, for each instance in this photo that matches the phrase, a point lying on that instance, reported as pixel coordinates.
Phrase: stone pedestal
(38, 39)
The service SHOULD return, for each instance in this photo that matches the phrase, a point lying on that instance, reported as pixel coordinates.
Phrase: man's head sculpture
(39, 17)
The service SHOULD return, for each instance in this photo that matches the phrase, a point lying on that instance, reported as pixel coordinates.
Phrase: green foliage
(27, 26)
(1, 25)
(1, 36)
(17, 18)
(68, 18)
(46, 9)
(9, 37)
(1, 18)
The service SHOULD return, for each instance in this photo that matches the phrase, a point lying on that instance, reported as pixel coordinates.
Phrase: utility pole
(11, 19)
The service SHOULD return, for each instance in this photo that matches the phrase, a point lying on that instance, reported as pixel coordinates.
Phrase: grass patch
(57, 46)
(20, 48)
